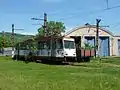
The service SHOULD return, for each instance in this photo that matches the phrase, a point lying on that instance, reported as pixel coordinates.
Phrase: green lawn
(17, 75)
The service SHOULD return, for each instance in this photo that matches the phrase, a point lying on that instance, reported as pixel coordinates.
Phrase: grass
(95, 75)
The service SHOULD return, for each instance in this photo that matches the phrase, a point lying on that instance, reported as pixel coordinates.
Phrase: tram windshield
(69, 44)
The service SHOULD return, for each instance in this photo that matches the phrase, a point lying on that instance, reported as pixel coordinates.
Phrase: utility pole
(107, 3)
(12, 38)
(97, 37)
(45, 23)
(3, 41)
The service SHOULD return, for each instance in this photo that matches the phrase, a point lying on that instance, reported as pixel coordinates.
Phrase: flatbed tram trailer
(48, 49)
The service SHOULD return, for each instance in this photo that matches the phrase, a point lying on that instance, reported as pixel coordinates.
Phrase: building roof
(117, 35)
(91, 26)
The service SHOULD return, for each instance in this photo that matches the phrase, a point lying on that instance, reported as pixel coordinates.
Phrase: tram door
(53, 48)
(78, 45)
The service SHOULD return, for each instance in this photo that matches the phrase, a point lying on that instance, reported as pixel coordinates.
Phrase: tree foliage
(4, 42)
(53, 28)
(32, 46)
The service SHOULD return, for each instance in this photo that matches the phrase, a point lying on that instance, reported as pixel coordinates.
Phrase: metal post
(12, 38)
(107, 3)
(97, 37)
(3, 41)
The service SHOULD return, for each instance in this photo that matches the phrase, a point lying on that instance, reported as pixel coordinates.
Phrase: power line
(75, 11)
(92, 12)
(118, 6)
(77, 15)
(115, 24)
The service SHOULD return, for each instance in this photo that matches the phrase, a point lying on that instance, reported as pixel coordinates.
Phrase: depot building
(109, 44)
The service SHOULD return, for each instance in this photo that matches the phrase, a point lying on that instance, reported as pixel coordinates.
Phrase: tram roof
(41, 38)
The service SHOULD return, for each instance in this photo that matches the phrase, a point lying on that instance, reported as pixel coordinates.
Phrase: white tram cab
(69, 47)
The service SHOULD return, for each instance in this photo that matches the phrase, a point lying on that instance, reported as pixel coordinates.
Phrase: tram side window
(43, 45)
(59, 44)
(40, 45)
(23, 47)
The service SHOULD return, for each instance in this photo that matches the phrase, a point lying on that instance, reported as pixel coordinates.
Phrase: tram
(46, 49)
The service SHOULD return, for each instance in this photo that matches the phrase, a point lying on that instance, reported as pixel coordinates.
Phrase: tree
(3, 42)
(54, 28)
(32, 46)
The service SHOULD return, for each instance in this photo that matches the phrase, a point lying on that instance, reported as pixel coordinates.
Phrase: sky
(72, 13)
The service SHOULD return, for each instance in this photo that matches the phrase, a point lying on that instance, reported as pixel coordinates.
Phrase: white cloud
(52, 1)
